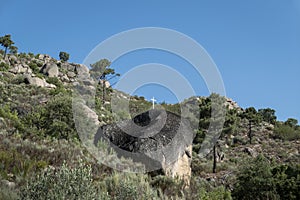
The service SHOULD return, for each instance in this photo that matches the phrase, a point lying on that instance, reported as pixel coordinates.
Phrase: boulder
(36, 81)
(12, 58)
(50, 69)
(18, 68)
(71, 74)
(157, 138)
(65, 78)
(82, 70)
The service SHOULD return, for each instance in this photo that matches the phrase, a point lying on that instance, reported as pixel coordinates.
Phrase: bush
(4, 67)
(34, 67)
(7, 193)
(13, 122)
(255, 180)
(55, 81)
(286, 132)
(217, 193)
(203, 189)
(65, 183)
(287, 181)
(129, 186)
(63, 56)
(169, 187)
(14, 163)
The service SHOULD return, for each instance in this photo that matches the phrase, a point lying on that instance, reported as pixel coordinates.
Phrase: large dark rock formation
(159, 139)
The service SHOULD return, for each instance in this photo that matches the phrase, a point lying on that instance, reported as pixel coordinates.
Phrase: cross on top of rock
(153, 101)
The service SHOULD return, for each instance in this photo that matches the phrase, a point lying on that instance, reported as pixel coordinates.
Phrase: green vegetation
(102, 72)
(7, 43)
(42, 157)
(257, 178)
(65, 183)
(64, 56)
(288, 130)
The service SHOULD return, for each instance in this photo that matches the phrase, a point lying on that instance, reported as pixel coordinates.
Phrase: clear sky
(254, 43)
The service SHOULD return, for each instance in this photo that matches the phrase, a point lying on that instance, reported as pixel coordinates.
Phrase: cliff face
(156, 138)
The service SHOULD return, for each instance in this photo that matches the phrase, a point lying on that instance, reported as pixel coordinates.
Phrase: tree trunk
(103, 92)
(250, 132)
(215, 159)
(5, 52)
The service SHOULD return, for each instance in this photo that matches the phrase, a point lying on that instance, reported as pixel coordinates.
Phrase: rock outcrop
(159, 139)
(50, 69)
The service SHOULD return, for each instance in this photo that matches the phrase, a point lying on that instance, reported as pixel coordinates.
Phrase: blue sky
(255, 44)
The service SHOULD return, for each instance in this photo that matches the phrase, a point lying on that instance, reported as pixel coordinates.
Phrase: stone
(71, 74)
(41, 57)
(65, 78)
(50, 85)
(14, 70)
(157, 138)
(50, 69)
(231, 104)
(106, 83)
(34, 81)
(82, 71)
(12, 58)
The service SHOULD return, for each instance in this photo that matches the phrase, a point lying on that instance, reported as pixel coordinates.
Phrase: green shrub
(169, 187)
(34, 67)
(64, 56)
(129, 186)
(31, 55)
(255, 180)
(55, 81)
(7, 193)
(22, 55)
(287, 181)
(4, 67)
(13, 162)
(18, 79)
(203, 189)
(65, 183)
(217, 193)
(12, 118)
(286, 132)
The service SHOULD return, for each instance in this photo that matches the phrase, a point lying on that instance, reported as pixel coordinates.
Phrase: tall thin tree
(6, 42)
(102, 72)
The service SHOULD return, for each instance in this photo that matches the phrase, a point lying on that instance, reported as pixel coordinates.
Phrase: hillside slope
(37, 132)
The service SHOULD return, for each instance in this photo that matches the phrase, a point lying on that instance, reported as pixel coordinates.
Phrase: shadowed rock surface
(156, 138)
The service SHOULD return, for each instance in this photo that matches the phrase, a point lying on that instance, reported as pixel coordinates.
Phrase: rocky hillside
(38, 136)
